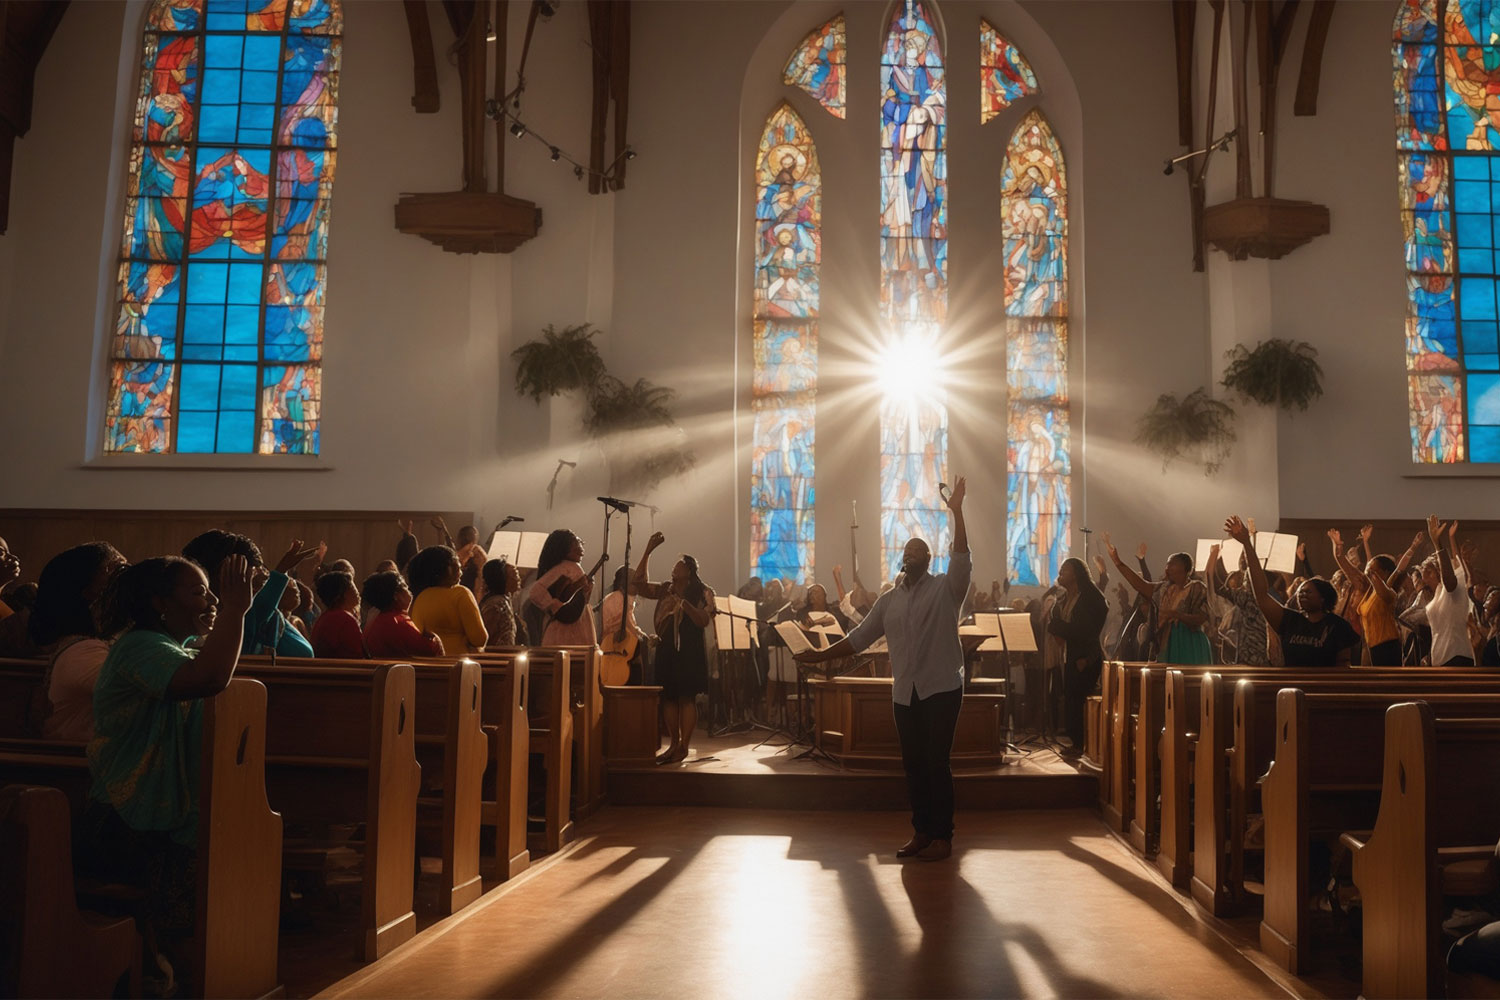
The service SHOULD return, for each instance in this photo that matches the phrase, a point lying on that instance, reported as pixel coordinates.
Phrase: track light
(517, 129)
(629, 154)
(556, 154)
(489, 31)
(578, 172)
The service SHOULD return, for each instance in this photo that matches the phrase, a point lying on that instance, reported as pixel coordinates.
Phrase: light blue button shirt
(920, 625)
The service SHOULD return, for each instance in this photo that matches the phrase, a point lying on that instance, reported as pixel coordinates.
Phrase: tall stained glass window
(1445, 77)
(913, 281)
(817, 65)
(1004, 74)
(1034, 228)
(784, 379)
(218, 340)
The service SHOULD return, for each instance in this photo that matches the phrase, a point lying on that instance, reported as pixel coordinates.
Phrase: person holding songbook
(684, 612)
(919, 619)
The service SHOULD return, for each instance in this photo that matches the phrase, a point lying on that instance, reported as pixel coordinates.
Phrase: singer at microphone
(919, 619)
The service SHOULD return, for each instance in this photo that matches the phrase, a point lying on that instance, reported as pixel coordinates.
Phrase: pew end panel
(1178, 733)
(395, 782)
(463, 784)
(239, 850)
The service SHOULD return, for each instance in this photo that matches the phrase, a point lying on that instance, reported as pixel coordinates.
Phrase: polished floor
(724, 903)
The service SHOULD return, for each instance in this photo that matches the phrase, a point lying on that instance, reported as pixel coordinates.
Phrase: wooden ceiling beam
(1306, 102)
(1184, 18)
(26, 29)
(425, 97)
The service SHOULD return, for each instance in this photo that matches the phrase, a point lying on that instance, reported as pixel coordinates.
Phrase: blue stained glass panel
(817, 65)
(231, 172)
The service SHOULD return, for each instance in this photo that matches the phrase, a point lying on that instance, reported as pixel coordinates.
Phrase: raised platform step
(732, 772)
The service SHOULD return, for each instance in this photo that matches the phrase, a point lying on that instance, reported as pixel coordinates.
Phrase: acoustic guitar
(620, 645)
(570, 593)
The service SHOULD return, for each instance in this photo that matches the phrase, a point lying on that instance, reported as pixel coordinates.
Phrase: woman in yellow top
(441, 605)
(1372, 594)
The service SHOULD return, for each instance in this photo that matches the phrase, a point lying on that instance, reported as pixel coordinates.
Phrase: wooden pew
(55, 949)
(450, 741)
(586, 690)
(239, 836)
(1325, 780)
(341, 747)
(1439, 804)
(506, 682)
(550, 714)
(1236, 741)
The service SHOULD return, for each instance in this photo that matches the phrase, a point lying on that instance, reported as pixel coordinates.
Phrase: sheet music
(723, 624)
(987, 623)
(790, 634)
(745, 632)
(530, 551)
(1016, 630)
(994, 644)
(1278, 553)
(505, 545)
(1229, 553)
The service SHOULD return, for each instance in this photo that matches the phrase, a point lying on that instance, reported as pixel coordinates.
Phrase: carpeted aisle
(661, 902)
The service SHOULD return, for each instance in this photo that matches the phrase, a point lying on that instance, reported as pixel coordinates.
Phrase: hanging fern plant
(1197, 427)
(562, 361)
(1277, 372)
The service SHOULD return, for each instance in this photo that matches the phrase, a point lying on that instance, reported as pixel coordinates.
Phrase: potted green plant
(1277, 372)
(560, 362)
(1197, 427)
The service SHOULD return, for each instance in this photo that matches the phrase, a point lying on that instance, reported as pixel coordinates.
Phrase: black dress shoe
(912, 846)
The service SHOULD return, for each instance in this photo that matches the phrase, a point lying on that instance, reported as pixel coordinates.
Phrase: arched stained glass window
(1034, 227)
(784, 379)
(817, 65)
(218, 341)
(1004, 74)
(1450, 212)
(913, 283)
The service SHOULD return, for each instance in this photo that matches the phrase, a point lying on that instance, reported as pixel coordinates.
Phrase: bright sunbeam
(909, 369)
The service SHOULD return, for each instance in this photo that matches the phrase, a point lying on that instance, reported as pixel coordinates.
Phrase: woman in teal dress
(141, 825)
(1179, 606)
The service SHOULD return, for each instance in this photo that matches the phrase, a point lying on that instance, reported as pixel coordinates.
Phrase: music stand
(1013, 635)
(736, 644)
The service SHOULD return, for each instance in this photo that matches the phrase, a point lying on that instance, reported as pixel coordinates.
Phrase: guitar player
(629, 643)
(562, 591)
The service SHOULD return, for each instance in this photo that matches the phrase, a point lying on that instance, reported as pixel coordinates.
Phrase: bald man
(919, 619)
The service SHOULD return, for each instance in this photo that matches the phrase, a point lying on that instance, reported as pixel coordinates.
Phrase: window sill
(210, 463)
(1454, 470)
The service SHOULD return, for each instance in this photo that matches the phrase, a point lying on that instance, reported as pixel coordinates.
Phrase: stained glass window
(1445, 76)
(784, 380)
(1004, 74)
(817, 65)
(1038, 467)
(218, 341)
(913, 281)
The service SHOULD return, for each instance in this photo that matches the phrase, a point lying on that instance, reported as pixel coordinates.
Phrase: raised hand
(656, 541)
(1435, 530)
(1140, 551)
(1365, 533)
(955, 499)
(322, 552)
(1301, 550)
(405, 524)
(438, 523)
(1336, 537)
(1099, 564)
(1417, 540)
(1235, 528)
(235, 592)
(295, 556)
(1213, 552)
(1109, 547)
(1453, 531)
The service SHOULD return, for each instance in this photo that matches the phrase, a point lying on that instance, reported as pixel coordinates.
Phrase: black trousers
(1078, 684)
(926, 730)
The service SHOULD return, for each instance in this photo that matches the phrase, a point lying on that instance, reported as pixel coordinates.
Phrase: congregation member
(266, 628)
(919, 620)
(559, 579)
(684, 612)
(620, 603)
(1077, 618)
(1179, 604)
(441, 604)
(1448, 610)
(1248, 632)
(141, 825)
(66, 621)
(391, 632)
(501, 581)
(1373, 599)
(1489, 655)
(1311, 635)
(336, 634)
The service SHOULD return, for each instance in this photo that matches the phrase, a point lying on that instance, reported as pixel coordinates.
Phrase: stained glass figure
(784, 374)
(218, 336)
(913, 278)
(1034, 231)
(1004, 74)
(1447, 76)
(817, 65)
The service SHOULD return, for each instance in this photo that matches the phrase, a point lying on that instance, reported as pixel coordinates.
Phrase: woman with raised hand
(1374, 594)
(265, 626)
(1180, 606)
(1448, 611)
(1311, 634)
(684, 611)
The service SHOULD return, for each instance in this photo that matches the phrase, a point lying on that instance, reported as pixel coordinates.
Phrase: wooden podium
(853, 723)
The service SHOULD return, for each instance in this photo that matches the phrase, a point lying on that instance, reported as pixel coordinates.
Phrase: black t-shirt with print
(1314, 644)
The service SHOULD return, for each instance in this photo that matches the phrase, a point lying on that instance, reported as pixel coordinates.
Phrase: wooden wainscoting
(362, 537)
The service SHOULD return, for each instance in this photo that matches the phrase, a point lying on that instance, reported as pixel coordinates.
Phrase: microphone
(563, 461)
(621, 505)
